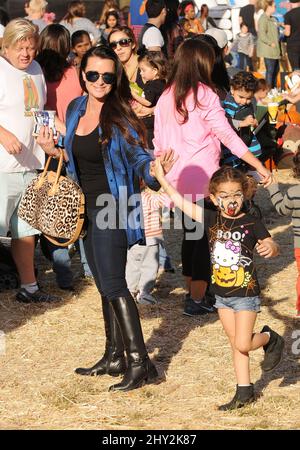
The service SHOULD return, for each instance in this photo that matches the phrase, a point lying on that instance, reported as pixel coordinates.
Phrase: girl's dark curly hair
(227, 173)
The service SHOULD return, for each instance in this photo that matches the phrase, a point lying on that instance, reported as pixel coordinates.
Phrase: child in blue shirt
(239, 109)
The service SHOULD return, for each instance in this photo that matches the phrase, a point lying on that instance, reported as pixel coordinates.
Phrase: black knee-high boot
(139, 367)
(113, 361)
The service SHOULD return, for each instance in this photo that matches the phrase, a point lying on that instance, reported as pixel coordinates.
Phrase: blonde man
(22, 89)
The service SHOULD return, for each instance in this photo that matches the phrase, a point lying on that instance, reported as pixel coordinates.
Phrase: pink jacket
(197, 142)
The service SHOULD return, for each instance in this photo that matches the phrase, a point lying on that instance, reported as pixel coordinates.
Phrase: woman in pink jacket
(190, 119)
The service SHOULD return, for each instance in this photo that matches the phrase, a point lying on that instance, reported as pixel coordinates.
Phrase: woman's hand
(168, 159)
(267, 248)
(46, 142)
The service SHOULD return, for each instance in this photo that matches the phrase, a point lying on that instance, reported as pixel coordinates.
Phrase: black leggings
(106, 253)
(195, 255)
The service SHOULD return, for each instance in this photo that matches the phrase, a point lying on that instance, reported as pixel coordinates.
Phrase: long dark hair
(193, 63)
(219, 74)
(53, 50)
(116, 110)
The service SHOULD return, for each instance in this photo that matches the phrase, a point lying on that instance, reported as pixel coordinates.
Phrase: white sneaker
(146, 299)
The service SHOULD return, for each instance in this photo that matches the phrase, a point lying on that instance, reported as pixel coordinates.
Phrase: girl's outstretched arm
(190, 209)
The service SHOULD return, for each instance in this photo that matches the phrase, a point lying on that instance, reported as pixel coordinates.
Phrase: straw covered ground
(38, 389)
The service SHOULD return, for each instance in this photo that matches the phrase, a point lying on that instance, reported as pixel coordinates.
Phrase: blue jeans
(244, 61)
(86, 268)
(106, 252)
(61, 264)
(164, 259)
(272, 69)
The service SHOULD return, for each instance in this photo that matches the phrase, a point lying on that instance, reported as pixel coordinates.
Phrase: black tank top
(90, 167)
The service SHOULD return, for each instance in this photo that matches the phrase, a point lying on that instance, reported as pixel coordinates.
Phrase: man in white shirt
(151, 36)
(22, 90)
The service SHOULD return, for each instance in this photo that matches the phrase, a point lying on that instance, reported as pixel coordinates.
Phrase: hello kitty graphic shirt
(232, 242)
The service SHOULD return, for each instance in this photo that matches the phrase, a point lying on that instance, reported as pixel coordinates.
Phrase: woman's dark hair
(219, 74)
(193, 63)
(296, 161)
(157, 61)
(114, 14)
(245, 81)
(77, 36)
(75, 9)
(53, 50)
(227, 173)
(203, 8)
(4, 17)
(116, 111)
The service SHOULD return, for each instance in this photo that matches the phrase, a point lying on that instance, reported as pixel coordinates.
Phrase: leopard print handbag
(54, 205)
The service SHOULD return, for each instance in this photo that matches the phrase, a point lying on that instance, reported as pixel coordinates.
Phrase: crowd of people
(158, 116)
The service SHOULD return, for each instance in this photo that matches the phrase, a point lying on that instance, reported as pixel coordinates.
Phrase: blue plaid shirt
(124, 163)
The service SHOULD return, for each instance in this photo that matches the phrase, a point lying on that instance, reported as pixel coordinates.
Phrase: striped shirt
(288, 205)
(235, 113)
(152, 203)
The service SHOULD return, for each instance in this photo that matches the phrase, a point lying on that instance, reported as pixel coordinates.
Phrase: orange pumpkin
(226, 277)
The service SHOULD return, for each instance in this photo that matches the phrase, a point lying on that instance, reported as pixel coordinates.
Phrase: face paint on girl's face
(230, 203)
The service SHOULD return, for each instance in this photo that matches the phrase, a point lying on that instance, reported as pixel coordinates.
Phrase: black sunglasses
(107, 77)
(122, 42)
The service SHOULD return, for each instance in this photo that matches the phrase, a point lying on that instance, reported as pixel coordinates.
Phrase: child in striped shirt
(143, 260)
(289, 205)
(240, 113)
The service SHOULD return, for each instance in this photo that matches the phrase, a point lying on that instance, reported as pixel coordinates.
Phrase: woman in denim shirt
(105, 155)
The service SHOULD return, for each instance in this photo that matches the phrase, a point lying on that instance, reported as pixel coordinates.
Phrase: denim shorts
(238, 303)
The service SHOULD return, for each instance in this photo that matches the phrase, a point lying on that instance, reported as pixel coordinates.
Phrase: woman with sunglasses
(122, 41)
(105, 154)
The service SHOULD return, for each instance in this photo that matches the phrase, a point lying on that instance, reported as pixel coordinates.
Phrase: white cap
(219, 35)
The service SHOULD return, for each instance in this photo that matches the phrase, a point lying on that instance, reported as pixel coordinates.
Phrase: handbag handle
(45, 171)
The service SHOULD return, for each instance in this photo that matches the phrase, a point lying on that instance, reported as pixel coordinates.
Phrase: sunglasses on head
(122, 42)
(107, 77)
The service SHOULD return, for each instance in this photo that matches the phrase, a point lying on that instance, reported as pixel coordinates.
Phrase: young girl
(80, 44)
(245, 46)
(153, 68)
(143, 260)
(289, 205)
(233, 235)
(111, 22)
